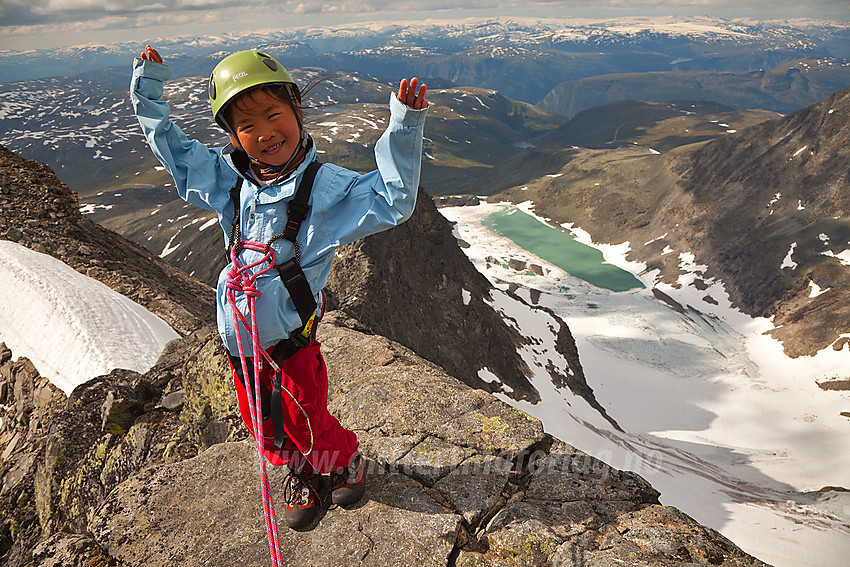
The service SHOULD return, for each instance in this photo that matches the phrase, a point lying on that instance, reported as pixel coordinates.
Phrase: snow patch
(657, 238)
(774, 200)
(212, 222)
(843, 257)
(816, 290)
(72, 328)
(91, 208)
(787, 262)
(169, 248)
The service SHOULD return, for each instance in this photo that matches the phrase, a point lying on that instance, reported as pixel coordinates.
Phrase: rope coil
(243, 279)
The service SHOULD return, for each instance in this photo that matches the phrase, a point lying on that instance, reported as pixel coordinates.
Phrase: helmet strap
(268, 168)
(296, 153)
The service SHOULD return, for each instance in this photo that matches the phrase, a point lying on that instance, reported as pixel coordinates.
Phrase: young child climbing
(283, 214)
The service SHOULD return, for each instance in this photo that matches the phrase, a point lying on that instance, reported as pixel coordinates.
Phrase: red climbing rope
(243, 279)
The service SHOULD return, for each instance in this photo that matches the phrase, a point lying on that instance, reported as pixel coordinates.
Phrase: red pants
(312, 434)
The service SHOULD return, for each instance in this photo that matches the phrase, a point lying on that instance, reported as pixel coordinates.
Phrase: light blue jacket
(344, 205)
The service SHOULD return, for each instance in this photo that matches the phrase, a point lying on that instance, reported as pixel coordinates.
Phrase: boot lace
(297, 489)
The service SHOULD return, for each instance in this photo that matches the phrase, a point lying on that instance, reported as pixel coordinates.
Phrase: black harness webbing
(296, 284)
(234, 225)
(290, 271)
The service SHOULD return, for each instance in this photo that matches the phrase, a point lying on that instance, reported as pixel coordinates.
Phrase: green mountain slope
(653, 127)
(766, 209)
(660, 125)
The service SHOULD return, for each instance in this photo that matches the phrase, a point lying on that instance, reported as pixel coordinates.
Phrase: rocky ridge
(789, 191)
(456, 477)
(155, 468)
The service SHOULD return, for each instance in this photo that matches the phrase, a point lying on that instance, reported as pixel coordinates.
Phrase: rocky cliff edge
(155, 470)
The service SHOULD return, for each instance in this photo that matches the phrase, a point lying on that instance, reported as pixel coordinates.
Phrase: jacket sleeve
(383, 198)
(200, 174)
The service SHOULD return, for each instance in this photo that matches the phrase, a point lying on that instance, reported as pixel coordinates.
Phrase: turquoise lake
(558, 247)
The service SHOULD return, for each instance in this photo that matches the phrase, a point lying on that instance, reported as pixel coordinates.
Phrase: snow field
(716, 416)
(72, 327)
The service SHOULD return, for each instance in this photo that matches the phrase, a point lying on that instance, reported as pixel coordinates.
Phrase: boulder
(27, 405)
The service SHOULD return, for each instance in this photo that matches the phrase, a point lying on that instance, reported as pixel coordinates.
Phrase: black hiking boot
(348, 484)
(301, 494)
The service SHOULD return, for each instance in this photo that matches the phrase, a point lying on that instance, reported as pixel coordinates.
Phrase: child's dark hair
(276, 90)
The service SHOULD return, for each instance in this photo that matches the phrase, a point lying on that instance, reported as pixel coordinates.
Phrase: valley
(710, 410)
(741, 206)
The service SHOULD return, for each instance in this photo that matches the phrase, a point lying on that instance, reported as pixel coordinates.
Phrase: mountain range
(480, 50)
(69, 107)
(86, 130)
(524, 59)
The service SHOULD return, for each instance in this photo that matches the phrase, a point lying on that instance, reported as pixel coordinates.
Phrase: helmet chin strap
(268, 168)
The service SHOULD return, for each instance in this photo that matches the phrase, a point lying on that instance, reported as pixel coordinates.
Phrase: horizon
(52, 24)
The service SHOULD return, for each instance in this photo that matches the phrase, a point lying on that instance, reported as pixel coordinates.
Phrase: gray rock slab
(433, 459)
(476, 486)
(208, 511)
(383, 388)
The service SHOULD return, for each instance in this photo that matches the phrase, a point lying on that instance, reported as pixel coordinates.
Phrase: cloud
(28, 12)
(17, 12)
(58, 18)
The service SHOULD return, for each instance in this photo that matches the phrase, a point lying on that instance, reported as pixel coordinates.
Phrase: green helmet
(241, 71)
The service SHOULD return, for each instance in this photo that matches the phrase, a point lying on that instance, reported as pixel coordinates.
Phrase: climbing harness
(242, 279)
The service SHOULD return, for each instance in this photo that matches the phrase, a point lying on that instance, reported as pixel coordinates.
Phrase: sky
(34, 24)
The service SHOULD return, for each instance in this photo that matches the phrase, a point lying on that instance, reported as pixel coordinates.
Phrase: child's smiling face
(266, 127)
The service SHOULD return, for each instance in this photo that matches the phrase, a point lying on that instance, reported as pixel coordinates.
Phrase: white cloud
(54, 23)
(26, 12)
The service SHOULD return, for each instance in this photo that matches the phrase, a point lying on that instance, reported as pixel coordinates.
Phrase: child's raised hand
(151, 54)
(407, 94)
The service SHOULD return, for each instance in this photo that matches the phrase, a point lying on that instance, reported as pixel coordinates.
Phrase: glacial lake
(558, 247)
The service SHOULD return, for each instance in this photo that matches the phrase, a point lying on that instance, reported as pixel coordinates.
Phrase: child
(266, 306)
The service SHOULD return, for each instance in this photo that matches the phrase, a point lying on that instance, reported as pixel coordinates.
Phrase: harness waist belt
(271, 402)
